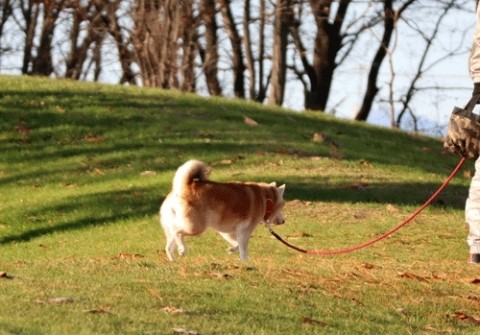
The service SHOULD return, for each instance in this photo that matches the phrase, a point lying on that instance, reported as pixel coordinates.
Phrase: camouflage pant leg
(472, 211)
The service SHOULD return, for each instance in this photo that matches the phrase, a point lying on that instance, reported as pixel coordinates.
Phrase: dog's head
(274, 206)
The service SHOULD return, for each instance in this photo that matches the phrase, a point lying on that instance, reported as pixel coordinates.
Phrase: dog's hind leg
(182, 248)
(170, 244)
(170, 249)
(231, 238)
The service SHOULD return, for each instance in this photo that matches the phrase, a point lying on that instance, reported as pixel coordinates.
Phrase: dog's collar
(268, 209)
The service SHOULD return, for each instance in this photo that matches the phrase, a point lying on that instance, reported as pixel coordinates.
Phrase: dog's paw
(232, 250)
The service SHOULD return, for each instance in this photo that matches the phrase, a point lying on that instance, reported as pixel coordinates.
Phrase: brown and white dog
(233, 209)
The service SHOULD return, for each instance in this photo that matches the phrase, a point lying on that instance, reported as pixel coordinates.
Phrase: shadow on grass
(87, 211)
(106, 208)
(407, 194)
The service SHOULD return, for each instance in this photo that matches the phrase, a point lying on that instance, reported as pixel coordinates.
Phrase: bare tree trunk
(236, 42)
(247, 42)
(372, 89)
(30, 12)
(42, 62)
(390, 18)
(5, 12)
(283, 18)
(79, 53)
(210, 54)
(188, 27)
(156, 32)
(262, 86)
(328, 42)
(125, 55)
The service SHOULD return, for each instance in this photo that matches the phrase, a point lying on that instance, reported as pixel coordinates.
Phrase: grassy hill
(85, 167)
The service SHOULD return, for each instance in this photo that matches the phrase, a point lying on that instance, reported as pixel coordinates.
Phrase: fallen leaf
(61, 300)
(148, 173)
(250, 121)
(465, 317)
(218, 275)
(473, 297)
(93, 139)
(125, 255)
(299, 234)
(321, 137)
(370, 266)
(391, 208)
(22, 130)
(99, 310)
(185, 331)
(60, 109)
(426, 149)
(311, 321)
(156, 293)
(409, 275)
(5, 275)
(174, 310)
(359, 186)
(335, 154)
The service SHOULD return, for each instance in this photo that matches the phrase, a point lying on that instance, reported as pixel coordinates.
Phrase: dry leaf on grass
(148, 173)
(391, 208)
(93, 139)
(468, 173)
(409, 275)
(359, 186)
(321, 137)
(465, 317)
(22, 130)
(370, 266)
(299, 234)
(311, 321)
(178, 330)
(5, 275)
(125, 255)
(250, 121)
(174, 310)
(99, 310)
(61, 300)
(156, 293)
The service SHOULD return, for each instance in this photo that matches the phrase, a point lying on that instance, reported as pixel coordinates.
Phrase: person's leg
(472, 215)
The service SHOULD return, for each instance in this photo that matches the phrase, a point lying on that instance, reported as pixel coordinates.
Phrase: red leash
(384, 235)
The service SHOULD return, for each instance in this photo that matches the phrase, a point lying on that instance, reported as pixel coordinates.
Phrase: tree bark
(372, 89)
(390, 19)
(42, 62)
(210, 53)
(238, 67)
(279, 62)
(328, 42)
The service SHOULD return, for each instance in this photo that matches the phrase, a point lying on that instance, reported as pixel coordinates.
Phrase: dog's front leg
(242, 238)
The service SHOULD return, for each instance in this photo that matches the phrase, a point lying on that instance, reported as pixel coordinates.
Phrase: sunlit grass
(84, 169)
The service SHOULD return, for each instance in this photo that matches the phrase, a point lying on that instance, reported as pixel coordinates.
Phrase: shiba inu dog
(233, 209)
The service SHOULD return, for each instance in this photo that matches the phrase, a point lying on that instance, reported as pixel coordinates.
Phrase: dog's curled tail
(188, 172)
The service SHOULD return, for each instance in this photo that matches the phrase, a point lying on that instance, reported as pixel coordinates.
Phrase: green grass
(84, 169)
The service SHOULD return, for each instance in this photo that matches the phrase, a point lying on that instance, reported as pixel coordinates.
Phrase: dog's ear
(281, 190)
(274, 184)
